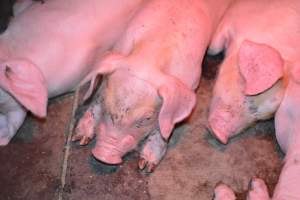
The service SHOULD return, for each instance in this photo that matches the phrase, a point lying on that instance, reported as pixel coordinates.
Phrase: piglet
(260, 77)
(149, 80)
(49, 48)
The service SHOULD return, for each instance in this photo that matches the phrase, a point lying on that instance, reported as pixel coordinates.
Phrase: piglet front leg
(85, 130)
(153, 151)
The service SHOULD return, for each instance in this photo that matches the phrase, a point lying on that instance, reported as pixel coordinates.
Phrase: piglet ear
(260, 65)
(26, 83)
(178, 102)
(106, 65)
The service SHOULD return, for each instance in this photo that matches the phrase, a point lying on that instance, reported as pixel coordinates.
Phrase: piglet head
(249, 88)
(23, 80)
(136, 104)
(130, 109)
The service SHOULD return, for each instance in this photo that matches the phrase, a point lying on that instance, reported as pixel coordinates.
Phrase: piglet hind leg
(85, 130)
(152, 152)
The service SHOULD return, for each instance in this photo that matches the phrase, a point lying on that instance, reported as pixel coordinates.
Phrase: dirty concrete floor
(32, 165)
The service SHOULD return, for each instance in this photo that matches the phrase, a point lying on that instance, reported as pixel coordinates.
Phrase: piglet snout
(107, 154)
(217, 130)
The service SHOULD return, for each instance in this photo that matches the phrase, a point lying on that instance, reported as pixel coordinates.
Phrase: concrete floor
(33, 165)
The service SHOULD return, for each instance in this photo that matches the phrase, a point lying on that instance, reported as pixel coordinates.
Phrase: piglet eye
(144, 121)
(147, 118)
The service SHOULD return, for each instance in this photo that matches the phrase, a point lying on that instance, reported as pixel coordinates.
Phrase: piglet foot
(152, 153)
(223, 192)
(149, 167)
(258, 190)
(84, 131)
(83, 140)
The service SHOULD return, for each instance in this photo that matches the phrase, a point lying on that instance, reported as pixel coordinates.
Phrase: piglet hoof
(83, 140)
(223, 192)
(84, 131)
(258, 190)
(147, 166)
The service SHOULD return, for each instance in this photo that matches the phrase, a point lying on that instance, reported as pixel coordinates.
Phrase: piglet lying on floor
(49, 48)
(149, 81)
(260, 76)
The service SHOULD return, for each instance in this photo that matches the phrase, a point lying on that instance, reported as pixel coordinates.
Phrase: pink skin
(150, 78)
(49, 48)
(223, 192)
(259, 78)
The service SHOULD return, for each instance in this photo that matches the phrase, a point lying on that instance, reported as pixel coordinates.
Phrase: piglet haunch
(257, 79)
(149, 80)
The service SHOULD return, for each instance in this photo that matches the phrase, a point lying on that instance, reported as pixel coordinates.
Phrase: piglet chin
(108, 156)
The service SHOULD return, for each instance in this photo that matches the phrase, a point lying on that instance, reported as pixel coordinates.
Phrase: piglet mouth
(107, 154)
